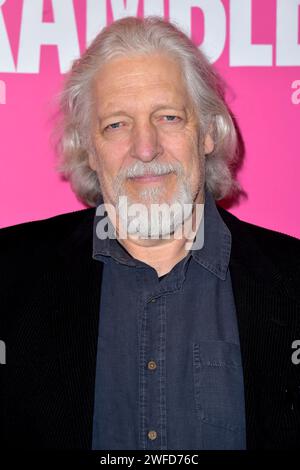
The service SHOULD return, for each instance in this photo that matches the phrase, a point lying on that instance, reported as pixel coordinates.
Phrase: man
(136, 341)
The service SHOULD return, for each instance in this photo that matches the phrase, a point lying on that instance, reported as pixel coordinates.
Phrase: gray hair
(131, 36)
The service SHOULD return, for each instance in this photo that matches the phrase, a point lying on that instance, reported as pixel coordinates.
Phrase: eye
(171, 118)
(114, 125)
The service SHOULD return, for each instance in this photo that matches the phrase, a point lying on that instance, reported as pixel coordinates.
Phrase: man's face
(146, 133)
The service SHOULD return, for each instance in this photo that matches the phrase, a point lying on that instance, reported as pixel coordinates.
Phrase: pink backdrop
(265, 99)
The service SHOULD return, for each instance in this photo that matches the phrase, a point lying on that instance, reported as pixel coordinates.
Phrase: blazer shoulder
(33, 239)
(282, 249)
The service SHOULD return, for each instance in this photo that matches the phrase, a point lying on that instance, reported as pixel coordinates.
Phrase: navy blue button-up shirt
(169, 373)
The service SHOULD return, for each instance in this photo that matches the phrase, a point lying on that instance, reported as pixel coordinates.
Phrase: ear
(208, 144)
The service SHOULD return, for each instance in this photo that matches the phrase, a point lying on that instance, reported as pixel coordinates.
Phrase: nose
(145, 142)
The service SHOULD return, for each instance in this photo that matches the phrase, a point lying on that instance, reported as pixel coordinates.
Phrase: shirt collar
(214, 255)
(215, 252)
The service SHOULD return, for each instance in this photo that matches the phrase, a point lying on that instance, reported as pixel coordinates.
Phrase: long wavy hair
(130, 36)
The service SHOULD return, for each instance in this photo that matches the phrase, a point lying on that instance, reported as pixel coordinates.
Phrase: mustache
(153, 168)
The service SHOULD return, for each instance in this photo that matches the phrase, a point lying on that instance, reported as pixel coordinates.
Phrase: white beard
(149, 218)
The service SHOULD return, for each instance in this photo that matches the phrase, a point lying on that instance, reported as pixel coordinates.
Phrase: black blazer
(49, 299)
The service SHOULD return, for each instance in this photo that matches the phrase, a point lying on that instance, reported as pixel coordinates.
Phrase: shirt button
(152, 365)
(152, 435)
(153, 300)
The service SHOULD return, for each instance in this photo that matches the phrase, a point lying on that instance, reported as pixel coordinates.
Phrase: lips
(149, 177)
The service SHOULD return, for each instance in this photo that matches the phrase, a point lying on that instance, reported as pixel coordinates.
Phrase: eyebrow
(120, 112)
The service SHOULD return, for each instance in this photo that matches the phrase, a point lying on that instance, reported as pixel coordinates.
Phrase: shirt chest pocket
(218, 384)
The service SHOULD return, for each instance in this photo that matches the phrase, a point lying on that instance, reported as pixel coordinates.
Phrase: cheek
(110, 157)
(184, 148)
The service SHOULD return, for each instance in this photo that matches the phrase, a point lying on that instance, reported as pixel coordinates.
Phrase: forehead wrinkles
(135, 82)
(139, 72)
(141, 96)
(131, 85)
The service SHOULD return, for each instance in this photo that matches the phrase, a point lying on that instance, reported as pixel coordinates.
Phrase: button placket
(155, 422)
